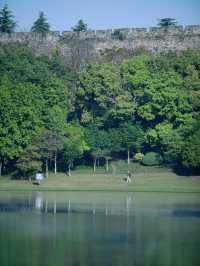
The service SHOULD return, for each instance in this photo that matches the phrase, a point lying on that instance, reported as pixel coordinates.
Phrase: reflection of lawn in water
(147, 179)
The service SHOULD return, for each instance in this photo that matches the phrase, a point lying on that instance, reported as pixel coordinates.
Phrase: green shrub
(152, 158)
(138, 157)
(117, 34)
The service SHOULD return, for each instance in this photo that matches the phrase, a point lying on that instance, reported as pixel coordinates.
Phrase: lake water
(104, 229)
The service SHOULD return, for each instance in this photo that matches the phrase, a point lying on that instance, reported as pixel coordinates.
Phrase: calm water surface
(103, 229)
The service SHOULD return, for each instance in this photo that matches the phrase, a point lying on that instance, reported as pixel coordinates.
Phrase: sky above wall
(103, 14)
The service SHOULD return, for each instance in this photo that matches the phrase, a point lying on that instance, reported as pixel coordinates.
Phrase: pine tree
(81, 26)
(167, 22)
(7, 23)
(41, 25)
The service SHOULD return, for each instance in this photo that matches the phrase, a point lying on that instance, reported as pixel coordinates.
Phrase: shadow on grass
(183, 171)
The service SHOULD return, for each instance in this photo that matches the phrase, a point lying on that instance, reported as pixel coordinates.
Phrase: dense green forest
(144, 109)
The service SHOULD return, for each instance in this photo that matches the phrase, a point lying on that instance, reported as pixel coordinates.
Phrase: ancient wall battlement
(128, 33)
(90, 44)
(137, 32)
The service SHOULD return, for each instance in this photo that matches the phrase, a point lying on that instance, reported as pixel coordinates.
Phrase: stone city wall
(154, 39)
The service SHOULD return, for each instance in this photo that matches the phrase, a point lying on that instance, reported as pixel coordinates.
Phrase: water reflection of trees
(40, 204)
(107, 233)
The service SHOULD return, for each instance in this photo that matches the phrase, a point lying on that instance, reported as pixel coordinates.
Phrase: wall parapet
(153, 39)
(103, 34)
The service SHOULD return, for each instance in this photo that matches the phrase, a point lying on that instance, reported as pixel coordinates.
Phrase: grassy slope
(147, 179)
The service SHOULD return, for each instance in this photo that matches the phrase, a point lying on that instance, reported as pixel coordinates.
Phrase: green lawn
(155, 179)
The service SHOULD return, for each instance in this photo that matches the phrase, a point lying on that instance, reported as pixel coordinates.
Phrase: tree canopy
(148, 104)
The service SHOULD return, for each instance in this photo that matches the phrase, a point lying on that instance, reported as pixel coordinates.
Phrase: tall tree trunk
(128, 154)
(55, 163)
(1, 166)
(69, 169)
(47, 169)
(94, 167)
(107, 166)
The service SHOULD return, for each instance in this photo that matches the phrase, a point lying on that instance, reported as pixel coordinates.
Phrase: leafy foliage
(149, 103)
(117, 34)
(152, 158)
(29, 162)
(190, 149)
(100, 98)
(74, 144)
(138, 156)
(28, 102)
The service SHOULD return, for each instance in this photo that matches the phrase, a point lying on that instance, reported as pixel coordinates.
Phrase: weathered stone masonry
(93, 42)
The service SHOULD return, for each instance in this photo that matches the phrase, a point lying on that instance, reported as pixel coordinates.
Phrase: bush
(117, 34)
(152, 158)
(138, 157)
